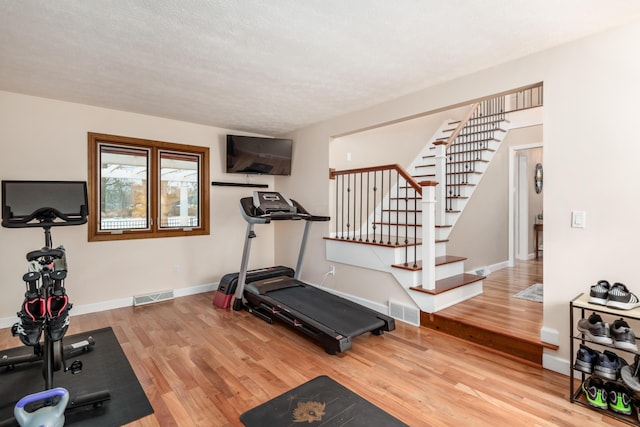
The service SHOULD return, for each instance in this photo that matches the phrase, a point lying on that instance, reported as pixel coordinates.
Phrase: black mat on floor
(319, 402)
(104, 368)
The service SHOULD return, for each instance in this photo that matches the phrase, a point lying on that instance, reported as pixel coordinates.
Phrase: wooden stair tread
(473, 151)
(380, 241)
(396, 224)
(411, 266)
(462, 173)
(468, 161)
(441, 260)
(444, 285)
(448, 259)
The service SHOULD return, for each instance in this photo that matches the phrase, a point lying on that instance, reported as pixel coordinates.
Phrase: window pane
(179, 204)
(124, 175)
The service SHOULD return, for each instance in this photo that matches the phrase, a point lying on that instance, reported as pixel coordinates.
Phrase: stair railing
(379, 205)
(457, 157)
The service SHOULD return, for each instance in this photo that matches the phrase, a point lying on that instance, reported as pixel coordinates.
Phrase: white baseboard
(118, 303)
(488, 269)
(549, 335)
(555, 364)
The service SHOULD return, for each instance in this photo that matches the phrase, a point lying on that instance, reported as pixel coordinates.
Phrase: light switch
(578, 219)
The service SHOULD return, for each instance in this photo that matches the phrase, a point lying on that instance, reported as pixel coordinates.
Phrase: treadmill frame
(263, 306)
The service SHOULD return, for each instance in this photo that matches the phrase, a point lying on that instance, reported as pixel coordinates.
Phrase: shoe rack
(580, 308)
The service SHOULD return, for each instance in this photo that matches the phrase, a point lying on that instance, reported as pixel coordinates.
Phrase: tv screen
(257, 155)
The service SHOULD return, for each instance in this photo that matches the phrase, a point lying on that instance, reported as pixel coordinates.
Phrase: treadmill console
(271, 202)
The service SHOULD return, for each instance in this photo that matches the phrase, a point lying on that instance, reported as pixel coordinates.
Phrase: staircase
(401, 219)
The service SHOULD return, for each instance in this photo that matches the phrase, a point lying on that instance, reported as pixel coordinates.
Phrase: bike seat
(45, 253)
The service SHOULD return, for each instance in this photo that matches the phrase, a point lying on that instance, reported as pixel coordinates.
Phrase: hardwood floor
(497, 310)
(202, 366)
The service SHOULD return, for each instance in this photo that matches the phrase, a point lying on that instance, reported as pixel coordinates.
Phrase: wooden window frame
(154, 230)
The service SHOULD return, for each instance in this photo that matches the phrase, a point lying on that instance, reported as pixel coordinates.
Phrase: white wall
(590, 157)
(45, 139)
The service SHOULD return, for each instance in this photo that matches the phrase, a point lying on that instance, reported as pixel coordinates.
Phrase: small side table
(538, 230)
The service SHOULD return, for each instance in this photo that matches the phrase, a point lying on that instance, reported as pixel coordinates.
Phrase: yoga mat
(319, 402)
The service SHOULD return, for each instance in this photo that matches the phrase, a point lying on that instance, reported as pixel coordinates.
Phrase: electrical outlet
(332, 270)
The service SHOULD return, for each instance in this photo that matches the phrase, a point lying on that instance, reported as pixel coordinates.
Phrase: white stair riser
(442, 233)
(461, 190)
(433, 303)
(451, 269)
(399, 217)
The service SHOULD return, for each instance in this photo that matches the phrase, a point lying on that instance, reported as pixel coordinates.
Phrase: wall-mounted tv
(257, 155)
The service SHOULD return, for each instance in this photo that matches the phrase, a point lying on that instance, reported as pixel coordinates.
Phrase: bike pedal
(76, 367)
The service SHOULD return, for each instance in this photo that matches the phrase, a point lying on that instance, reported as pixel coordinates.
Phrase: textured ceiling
(272, 66)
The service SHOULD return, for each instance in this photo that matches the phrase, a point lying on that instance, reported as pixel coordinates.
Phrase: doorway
(525, 203)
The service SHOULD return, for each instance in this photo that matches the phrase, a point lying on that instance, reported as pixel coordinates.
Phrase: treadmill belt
(341, 315)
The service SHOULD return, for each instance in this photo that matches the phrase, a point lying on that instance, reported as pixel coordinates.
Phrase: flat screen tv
(257, 155)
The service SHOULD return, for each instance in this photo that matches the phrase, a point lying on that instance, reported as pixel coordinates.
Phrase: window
(143, 189)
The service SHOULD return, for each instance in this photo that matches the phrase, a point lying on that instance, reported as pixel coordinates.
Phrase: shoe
(623, 336)
(586, 359)
(595, 329)
(609, 365)
(32, 316)
(599, 293)
(595, 393)
(58, 307)
(620, 297)
(630, 374)
(618, 398)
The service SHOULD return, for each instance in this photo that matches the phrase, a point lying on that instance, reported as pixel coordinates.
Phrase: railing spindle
(398, 203)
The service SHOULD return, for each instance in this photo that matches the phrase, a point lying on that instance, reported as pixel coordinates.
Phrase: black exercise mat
(105, 367)
(319, 402)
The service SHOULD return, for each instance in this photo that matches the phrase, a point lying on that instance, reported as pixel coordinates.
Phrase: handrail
(462, 124)
(402, 171)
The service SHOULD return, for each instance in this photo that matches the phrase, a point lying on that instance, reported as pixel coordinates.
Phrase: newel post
(441, 173)
(429, 234)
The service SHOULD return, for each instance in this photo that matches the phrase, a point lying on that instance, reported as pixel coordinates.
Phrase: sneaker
(630, 374)
(623, 336)
(586, 359)
(32, 316)
(58, 314)
(595, 329)
(620, 297)
(595, 393)
(599, 293)
(609, 365)
(618, 398)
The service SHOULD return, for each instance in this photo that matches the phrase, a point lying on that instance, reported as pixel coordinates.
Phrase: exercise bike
(45, 310)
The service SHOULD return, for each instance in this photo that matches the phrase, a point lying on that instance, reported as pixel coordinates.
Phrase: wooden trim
(462, 124)
(402, 171)
(154, 148)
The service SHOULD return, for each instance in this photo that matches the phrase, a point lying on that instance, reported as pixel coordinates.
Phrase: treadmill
(330, 320)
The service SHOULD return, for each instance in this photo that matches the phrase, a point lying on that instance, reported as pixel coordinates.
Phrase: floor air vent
(151, 298)
(404, 312)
